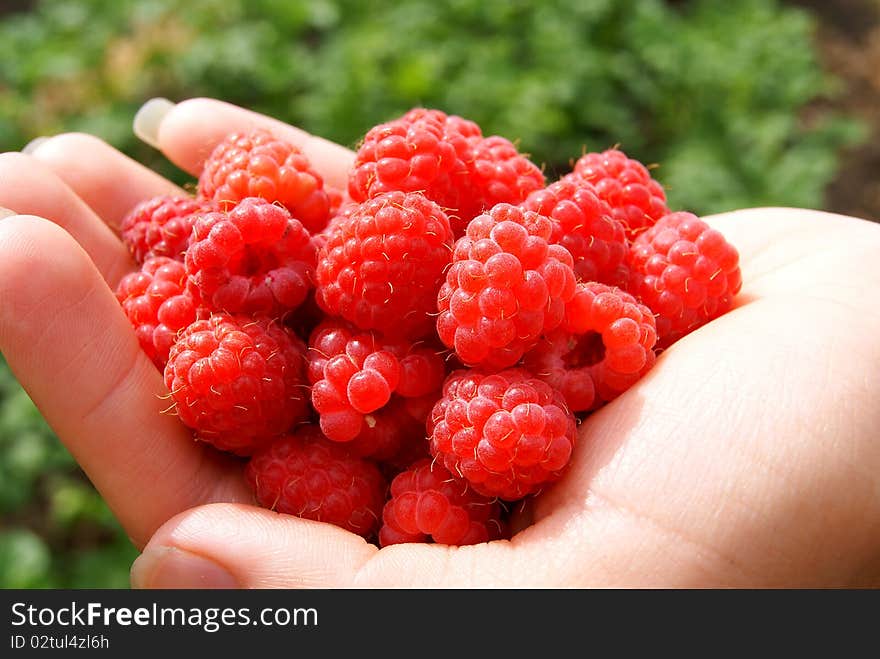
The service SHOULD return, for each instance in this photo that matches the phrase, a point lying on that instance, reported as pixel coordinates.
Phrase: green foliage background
(726, 96)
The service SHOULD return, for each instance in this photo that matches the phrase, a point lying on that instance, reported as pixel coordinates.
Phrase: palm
(745, 457)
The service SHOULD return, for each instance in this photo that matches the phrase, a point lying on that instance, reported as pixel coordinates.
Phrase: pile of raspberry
(409, 358)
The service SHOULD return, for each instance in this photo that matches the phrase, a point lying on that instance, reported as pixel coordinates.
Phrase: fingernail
(170, 567)
(5, 212)
(149, 118)
(34, 144)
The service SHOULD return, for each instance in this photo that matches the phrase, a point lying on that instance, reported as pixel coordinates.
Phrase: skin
(748, 457)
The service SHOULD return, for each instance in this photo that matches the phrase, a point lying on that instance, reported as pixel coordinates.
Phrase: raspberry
(237, 381)
(686, 272)
(389, 433)
(508, 433)
(383, 262)
(447, 158)
(354, 373)
(156, 302)
(303, 474)
(256, 164)
(254, 259)
(422, 151)
(585, 226)
(161, 226)
(498, 174)
(429, 503)
(605, 345)
(506, 287)
(636, 199)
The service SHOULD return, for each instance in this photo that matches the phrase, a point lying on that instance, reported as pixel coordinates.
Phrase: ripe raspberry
(422, 151)
(157, 304)
(383, 263)
(254, 259)
(686, 272)
(237, 381)
(636, 199)
(389, 433)
(507, 286)
(498, 174)
(161, 226)
(429, 503)
(256, 164)
(604, 346)
(507, 433)
(585, 226)
(303, 474)
(354, 373)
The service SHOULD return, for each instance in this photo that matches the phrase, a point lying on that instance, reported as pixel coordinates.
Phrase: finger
(29, 187)
(108, 181)
(188, 131)
(73, 350)
(227, 545)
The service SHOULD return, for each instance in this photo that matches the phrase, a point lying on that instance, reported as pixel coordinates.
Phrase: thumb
(237, 546)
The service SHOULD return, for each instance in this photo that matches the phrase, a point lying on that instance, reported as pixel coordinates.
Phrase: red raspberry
(254, 259)
(605, 345)
(422, 151)
(429, 503)
(637, 200)
(390, 433)
(354, 373)
(585, 226)
(157, 304)
(161, 226)
(686, 272)
(303, 474)
(507, 286)
(238, 381)
(256, 164)
(382, 264)
(498, 174)
(507, 433)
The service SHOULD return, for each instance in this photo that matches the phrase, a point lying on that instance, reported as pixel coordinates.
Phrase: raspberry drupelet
(254, 259)
(161, 226)
(238, 381)
(382, 263)
(305, 475)
(635, 198)
(354, 373)
(586, 227)
(429, 504)
(156, 302)
(506, 287)
(603, 347)
(507, 433)
(257, 164)
(686, 272)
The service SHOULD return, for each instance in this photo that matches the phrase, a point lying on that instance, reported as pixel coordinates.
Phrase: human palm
(748, 456)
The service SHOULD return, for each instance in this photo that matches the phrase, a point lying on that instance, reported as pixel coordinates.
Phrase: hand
(749, 455)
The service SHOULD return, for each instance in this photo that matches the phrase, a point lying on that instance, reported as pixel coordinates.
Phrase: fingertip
(148, 120)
